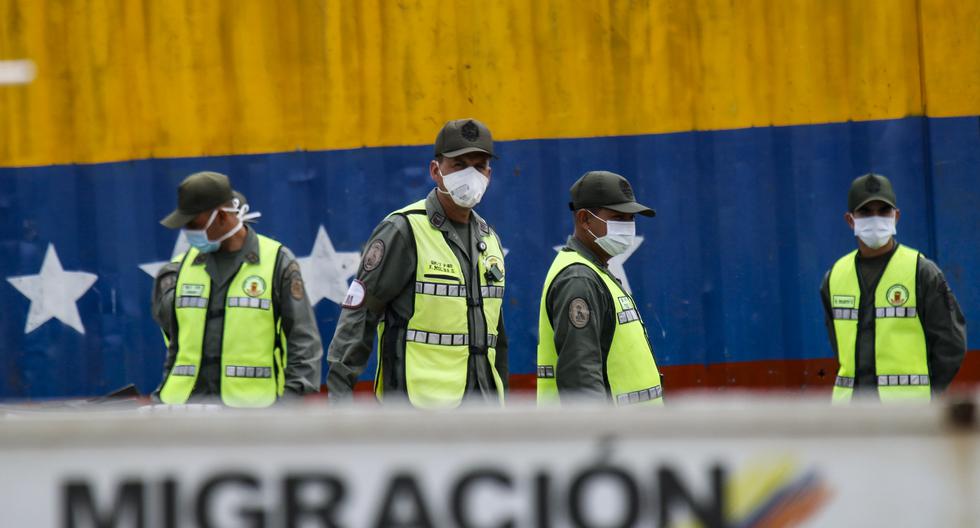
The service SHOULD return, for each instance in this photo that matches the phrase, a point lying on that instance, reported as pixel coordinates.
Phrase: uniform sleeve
(828, 313)
(387, 266)
(304, 349)
(163, 312)
(578, 309)
(944, 325)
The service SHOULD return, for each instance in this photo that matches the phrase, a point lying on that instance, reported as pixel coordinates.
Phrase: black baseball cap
(608, 190)
(868, 188)
(462, 136)
(199, 192)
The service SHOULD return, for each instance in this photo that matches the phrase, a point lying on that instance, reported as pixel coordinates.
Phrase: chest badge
(253, 286)
(897, 295)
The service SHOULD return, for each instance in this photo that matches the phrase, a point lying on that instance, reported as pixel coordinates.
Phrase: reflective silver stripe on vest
(248, 302)
(894, 380)
(628, 316)
(640, 396)
(546, 371)
(183, 370)
(440, 290)
(844, 381)
(845, 313)
(891, 311)
(192, 302)
(234, 371)
(433, 338)
(492, 292)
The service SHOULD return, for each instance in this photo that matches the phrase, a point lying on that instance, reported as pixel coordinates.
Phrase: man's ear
(898, 214)
(434, 172)
(849, 218)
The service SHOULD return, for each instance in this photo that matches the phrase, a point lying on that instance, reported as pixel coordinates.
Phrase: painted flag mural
(742, 125)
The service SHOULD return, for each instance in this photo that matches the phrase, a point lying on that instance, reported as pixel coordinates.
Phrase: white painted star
(326, 271)
(181, 246)
(53, 293)
(616, 263)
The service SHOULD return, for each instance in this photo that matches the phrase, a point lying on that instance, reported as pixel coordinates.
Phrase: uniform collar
(885, 257)
(577, 245)
(249, 251)
(438, 219)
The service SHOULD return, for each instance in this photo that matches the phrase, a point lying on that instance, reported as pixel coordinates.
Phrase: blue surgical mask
(198, 238)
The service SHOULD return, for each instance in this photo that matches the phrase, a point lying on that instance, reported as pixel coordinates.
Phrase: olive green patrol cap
(462, 136)
(608, 190)
(199, 192)
(868, 188)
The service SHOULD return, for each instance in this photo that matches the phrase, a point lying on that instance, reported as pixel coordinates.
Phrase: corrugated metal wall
(742, 123)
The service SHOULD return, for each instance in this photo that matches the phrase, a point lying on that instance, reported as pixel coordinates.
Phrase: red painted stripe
(806, 375)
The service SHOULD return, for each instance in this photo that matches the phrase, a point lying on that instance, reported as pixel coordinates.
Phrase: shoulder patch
(168, 282)
(578, 312)
(355, 296)
(374, 255)
(297, 289)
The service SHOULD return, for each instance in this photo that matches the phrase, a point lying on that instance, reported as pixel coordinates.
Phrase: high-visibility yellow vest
(631, 370)
(900, 342)
(252, 345)
(437, 336)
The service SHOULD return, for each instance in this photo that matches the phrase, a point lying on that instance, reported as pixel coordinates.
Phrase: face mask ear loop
(594, 237)
(214, 214)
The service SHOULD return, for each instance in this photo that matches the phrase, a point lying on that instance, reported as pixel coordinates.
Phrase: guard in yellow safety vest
(431, 288)
(592, 342)
(233, 308)
(895, 325)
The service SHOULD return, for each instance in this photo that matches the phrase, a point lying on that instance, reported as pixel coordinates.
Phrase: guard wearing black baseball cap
(892, 320)
(431, 287)
(592, 340)
(233, 309)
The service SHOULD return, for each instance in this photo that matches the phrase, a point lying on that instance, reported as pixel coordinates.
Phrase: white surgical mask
(874, 231)
(465, 187)
(198, 238)
(618, 238)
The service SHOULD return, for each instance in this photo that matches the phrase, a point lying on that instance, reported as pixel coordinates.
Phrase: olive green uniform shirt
(304, 351)
(940, 314)
(582, 349)
(390, 293)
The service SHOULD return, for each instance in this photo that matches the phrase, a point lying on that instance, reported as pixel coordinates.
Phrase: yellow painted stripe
(130, 79)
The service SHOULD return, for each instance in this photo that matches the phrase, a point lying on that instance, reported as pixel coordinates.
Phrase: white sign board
(752, 464)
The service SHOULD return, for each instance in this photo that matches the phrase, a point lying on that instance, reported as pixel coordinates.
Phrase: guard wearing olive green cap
(233, 308)
(893, 322)
(592, 341)
(431, 287)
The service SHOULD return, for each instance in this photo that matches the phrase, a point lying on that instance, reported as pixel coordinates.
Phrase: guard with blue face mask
(233, 309)
(592, 340)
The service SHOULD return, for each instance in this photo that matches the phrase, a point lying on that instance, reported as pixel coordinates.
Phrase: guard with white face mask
(233, 309)
(592, 340)
(431, 288)
(894, 324)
